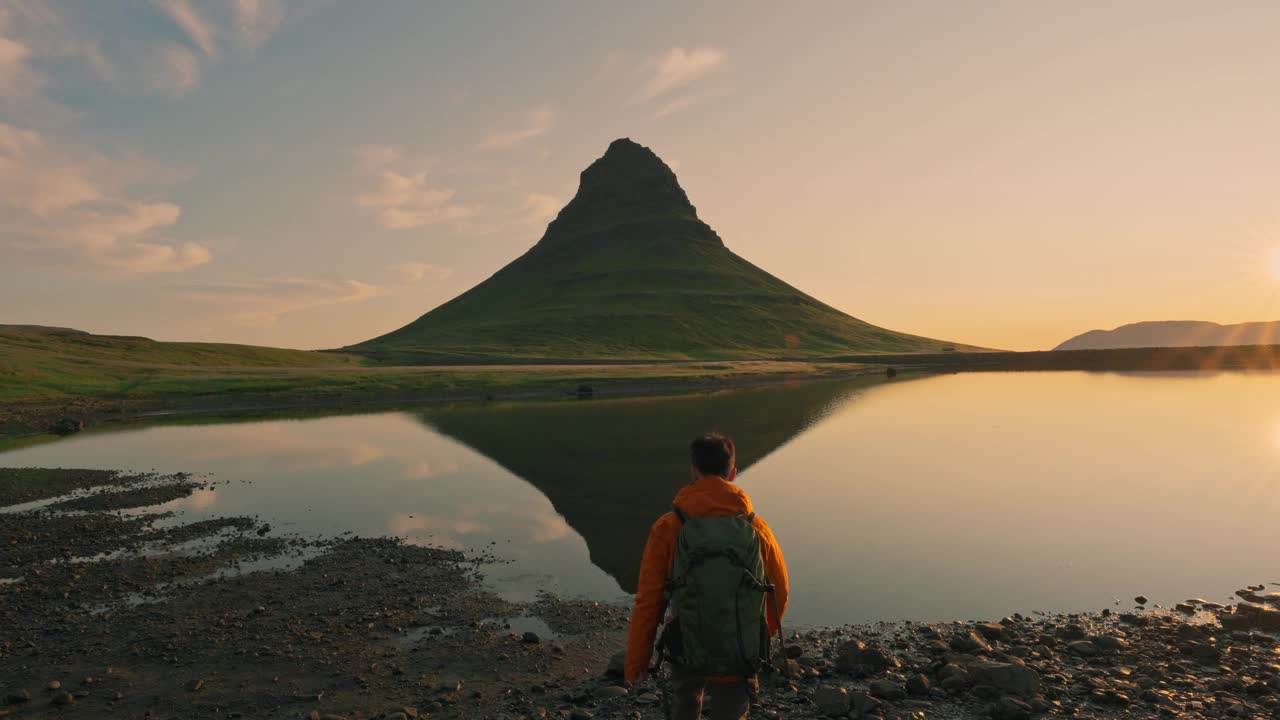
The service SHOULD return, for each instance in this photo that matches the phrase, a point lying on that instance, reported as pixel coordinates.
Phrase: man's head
(713, 454)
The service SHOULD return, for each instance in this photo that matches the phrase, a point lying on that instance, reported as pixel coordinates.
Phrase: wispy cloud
(262, 300)
(406, 201)
(403, 199)
(258, 20)
(413, 272)
(537, 122)
(540, 206)
(175, 70)
(68, 206)
(679, 68)
(184, 15)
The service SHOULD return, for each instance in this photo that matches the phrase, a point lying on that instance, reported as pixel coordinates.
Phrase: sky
(315, 173)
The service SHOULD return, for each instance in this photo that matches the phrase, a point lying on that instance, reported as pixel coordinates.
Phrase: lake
(942, 497)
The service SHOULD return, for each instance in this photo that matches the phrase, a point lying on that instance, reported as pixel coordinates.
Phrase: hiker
(718, 569)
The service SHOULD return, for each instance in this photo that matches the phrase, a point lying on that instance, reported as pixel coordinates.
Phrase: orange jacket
(710, 496)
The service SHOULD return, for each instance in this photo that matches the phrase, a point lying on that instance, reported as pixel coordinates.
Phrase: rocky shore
(112, 607)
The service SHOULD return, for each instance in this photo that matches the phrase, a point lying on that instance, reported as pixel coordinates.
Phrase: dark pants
(729, 700)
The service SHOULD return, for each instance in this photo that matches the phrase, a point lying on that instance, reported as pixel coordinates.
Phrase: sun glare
(1273, 263)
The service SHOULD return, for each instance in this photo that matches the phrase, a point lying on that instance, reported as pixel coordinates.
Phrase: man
(711, 518)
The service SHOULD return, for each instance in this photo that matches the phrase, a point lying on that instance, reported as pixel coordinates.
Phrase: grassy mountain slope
(627, 270)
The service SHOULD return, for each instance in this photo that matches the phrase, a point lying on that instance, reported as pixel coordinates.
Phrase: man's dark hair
(713, 454)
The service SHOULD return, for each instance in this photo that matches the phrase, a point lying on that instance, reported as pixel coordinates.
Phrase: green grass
(44, 371)
(627, 270)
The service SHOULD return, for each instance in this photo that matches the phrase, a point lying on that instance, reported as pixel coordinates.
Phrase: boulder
(1083, 648)
(1008, 708)
(861, 659)
(992, 631)
(67, 426)
(1250, 617)
(617, 665)
(862, 704)
(969, 642)
(887, 690)
(1009, 677)
(831, 700)
(918, 685)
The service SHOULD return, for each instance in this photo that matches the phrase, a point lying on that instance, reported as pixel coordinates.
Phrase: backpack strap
(680, 514)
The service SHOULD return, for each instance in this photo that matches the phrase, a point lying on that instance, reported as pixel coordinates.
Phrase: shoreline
(34, 419)
(227, 617)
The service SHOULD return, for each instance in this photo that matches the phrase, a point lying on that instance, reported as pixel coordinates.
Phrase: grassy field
(45, 374)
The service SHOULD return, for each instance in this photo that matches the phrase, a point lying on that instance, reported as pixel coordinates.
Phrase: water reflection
(611, 467)
(944, 497)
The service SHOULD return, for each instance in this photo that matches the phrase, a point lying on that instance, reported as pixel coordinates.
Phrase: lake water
(946, 497)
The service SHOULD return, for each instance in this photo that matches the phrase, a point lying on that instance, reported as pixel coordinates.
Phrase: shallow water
(947, 497)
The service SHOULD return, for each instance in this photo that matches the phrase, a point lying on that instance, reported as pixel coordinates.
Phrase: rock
(617, 665)
(887, 690)
(1010, 677)
(55, 685)
(1185, 608)
(1203, 653)
(67, 426)
(953, 684)
(197, 684)
(395, 716)
(531, 638)
(831, 700)
(794, 652)
(861, 659)
(609, 692)
(1083, 648)
(862, 704)
(992, 631)
(1109, 643)
(1073, 631)
(1248, 616)
(648, 698)
(580, 714)
(1009, 708)
(918, 685)
(17, 697)
(969, 642)
(62, 698)
(1141, 599)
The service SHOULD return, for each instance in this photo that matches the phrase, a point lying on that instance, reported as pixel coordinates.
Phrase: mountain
(628, 270)
(1176, 333)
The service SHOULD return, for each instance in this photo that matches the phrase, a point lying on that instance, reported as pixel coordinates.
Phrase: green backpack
(717, 591)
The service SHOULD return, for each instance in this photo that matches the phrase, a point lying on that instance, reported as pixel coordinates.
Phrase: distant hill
(41, 329)
(628, 270)
(1176, 333)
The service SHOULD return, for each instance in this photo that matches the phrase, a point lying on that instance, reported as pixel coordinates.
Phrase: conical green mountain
(628, 270)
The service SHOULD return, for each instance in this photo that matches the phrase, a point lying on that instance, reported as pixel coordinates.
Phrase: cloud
(262, 300)
(373, 157)
(402, 199)
(537, 122)
(540, 206)
(416, 272)
(185, 17)
(678, 69)
(175, 70)
(66, 206)
(258, 20)
(405, 201)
